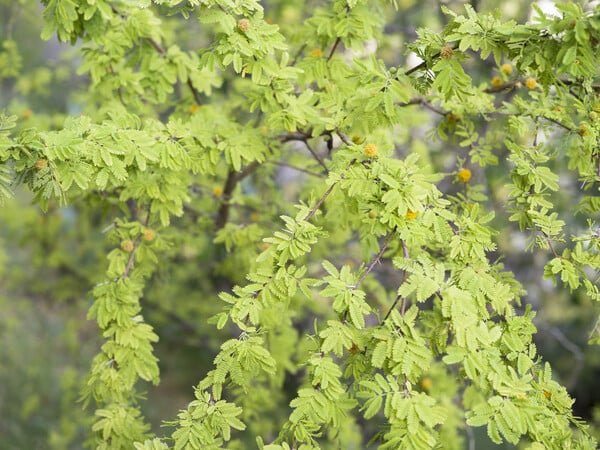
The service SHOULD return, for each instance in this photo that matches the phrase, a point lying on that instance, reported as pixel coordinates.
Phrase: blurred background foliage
(49, 262)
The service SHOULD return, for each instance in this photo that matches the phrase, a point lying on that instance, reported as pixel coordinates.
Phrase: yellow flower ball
(316, 53)
(531, 83)
(583, 131)
(464, 175)
(411, 215)
(127, 246)
(506, 69)
(446, 52)
(426, 383)
(217, 191)
(496, 81)
(39, 165)
(371, 151)
(149, 235)
(357, 139)
(243, 25)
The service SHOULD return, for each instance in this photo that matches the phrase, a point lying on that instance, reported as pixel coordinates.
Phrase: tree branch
(233, 178)
(335, 45)
(398, 297)
(376, 259)
(319, 203)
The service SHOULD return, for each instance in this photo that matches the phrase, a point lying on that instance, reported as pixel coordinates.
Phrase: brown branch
(317, 157)
(299, 169)
(502, 87)
(160, 49)
(223, 212)
(295, 136)
(297, 55)
(418, 66)
(129, 265)
(376, 259)
(398, 297)
(195, 92)
(319, 203)
(303, 137)
(560, 124)
(233, 178)
(335, 45)
(136, 243)
(343, 137)
(421, 101)
(549, 242)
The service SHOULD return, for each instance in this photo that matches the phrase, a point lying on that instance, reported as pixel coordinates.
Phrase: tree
(336, 196)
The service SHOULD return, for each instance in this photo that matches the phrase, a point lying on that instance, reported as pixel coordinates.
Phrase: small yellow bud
(316, 53)
(127, 246)
(243, 25)
(149, 235)
(254, 217)
(217, 191)
(358, 139)
(506, 69)
(496, 81)
(446, 52)
(464, 175)
(583, 130)
(27, 114)
(531, 83)
(39, 165)
(371, 150)
(194, 108)
(372, 214)
(547, 394)
(411, 215)
(426, 383)
(453, 118)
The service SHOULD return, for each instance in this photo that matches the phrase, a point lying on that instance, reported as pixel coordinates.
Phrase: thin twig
(160, 49)
(297, 55)
(136, 244)
(398, 297)
(299, 169)
(195, 92)
(317, 157)
(502, 87)
(335, 44)
(376, 259)
(549, 242)
(223, 212)
(560, 124)
(429, 106)
(319, 203)
(418, 66)
(570, 346)
(343, 137)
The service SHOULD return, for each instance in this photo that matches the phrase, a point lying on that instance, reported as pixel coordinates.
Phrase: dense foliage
(323, 194)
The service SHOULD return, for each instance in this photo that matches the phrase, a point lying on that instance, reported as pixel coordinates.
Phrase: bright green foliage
(179, 142)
